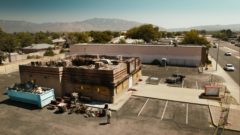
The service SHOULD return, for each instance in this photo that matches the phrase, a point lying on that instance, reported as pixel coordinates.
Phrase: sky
(164, 13)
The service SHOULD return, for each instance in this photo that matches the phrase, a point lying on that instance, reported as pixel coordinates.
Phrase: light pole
(217, 53)
(206, 63)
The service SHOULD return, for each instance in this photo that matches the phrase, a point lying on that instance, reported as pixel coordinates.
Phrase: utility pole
(217, 53)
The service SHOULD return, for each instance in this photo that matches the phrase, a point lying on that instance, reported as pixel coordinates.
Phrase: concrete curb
(210, 112)
(215, 125)
(169, 100)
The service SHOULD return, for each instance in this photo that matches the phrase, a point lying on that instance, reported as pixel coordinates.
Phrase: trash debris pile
(28, 87)
(73, 104)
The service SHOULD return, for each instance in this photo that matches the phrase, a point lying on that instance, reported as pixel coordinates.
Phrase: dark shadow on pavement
(103, 123)
(58, 112)
(19, 104)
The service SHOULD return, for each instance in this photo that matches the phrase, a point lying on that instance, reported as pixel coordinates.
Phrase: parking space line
(143, 107)
(187, 114)
(164, 110)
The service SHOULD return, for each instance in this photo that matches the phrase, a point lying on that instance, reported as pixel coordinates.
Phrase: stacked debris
(31, 93)
(74, 104)
(28, 87)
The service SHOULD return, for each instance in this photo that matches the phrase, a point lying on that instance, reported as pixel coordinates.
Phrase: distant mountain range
(233, 27)
(95, 24)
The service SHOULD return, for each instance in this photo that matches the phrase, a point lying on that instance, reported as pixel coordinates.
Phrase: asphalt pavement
(223, 60)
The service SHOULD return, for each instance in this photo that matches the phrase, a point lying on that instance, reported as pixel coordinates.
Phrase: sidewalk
(233, 123)
(186, 95)
(233, 87)
(162, 91)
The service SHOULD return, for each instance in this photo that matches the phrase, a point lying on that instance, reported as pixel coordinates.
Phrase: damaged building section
(96, 77)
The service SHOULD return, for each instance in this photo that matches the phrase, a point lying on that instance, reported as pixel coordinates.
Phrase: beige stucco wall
(96, 92)
(43, 76)
(106, 84)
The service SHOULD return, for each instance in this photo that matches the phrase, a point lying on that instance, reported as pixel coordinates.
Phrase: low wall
(14, 66)
(19, 57)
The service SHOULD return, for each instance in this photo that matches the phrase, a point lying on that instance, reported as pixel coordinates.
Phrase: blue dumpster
(40, 100)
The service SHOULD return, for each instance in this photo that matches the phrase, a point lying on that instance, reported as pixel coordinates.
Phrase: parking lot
(180, 114)
(193, 79)
(176, 117)
(137, 116)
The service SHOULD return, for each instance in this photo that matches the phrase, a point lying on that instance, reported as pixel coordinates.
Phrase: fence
(14, 66)
(19, 57)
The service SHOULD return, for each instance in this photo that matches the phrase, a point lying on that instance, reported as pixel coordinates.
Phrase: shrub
(49, 52)
(208, 61)
(156, 62)
(63, 51)
(122, 41)
(29, 57)
(33, 57)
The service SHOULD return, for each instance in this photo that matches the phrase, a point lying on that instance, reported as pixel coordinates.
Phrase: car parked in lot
(228, 54)
(175, 78)
(229, 67)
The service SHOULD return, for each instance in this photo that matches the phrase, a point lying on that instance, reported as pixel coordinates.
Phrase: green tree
(49, 52)
(147, 32)
(203, 32)
(54, 35)
(224, 34)
(101, 37)
(25, 39)
(1, 31)
(122, 41)
(71, 39)
(192, 37)
(116, 34)
(8, 44)
(228, 32)
(2, 57)
(41, 37)
(170, 34)
(81, 37)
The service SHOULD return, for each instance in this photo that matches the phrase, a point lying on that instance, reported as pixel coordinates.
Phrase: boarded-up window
(119, 88)
(125, 84)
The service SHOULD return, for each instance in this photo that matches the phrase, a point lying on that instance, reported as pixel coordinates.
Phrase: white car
(228, 54)
(229, 67)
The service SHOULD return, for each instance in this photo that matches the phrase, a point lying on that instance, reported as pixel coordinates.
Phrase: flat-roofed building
(99, 77)
(36, 48)
(59, 41)
(182, 55)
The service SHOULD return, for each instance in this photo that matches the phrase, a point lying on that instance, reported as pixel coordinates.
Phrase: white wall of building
(181, 55)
